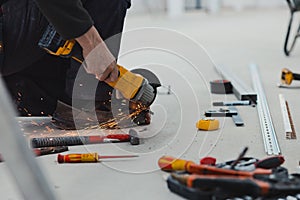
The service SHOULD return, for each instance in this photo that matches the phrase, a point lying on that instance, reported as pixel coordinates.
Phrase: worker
(39, 83)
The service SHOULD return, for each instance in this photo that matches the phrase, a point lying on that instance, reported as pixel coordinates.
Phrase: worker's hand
(98, 59)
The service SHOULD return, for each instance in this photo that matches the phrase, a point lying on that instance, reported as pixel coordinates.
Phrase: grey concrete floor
(234, 40)
(182, 52)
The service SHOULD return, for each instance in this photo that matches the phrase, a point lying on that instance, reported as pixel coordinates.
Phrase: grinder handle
(127, 83)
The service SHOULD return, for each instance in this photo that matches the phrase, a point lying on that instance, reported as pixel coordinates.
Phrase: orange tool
(168, 163)
(87, 157)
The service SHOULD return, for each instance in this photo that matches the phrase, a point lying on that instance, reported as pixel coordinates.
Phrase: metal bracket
(230, 112)
(232, 103)
(238, 121)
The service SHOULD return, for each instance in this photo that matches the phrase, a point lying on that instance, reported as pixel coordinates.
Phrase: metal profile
(267, 128)
(19, 159)
(240, 90)
(287, 118)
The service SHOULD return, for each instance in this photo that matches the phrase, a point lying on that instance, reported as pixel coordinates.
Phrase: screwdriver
(168, 163)
(87, 157)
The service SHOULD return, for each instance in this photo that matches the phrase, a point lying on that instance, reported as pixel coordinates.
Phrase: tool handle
(296, 76)
(77, 140)
(270, 162)
(78, 158)
(169, 163)
(232, 184)
(116, 137)
(211, 170)
(57, 141)
(127, 83)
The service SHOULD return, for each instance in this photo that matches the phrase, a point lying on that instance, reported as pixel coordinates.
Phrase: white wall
(147, 6)
(241, 4)
(160, 6)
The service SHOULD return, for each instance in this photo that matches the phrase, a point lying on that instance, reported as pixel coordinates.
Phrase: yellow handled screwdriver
(87, 157)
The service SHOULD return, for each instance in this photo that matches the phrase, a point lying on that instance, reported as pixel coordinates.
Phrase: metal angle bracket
(230, 112)
(267, 128)
(240, 90)
(237, 119)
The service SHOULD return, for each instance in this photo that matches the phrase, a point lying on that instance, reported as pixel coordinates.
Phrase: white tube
(17, 155)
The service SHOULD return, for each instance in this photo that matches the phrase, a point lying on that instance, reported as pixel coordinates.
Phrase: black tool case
(186, 192)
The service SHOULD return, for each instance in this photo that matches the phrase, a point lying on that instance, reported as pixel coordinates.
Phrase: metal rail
(240, 90)
(267, 128)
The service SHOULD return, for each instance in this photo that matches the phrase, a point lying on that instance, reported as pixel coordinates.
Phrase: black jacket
(24, 23)
(69, 17)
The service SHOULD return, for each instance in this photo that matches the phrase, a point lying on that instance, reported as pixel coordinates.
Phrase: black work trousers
(37, 80)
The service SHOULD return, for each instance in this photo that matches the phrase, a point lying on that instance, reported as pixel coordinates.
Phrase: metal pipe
(17, 155)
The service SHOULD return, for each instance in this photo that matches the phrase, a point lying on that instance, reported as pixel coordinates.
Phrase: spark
(50, 130)
(34, 123)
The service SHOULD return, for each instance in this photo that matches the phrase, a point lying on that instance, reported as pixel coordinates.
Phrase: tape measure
(221, 87)
(208, 124)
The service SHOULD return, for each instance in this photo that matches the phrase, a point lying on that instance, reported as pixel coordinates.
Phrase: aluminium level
(240, 90)
(267, 128)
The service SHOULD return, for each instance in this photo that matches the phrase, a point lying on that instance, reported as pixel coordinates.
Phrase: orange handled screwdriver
(168, 163)
(87, 157)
